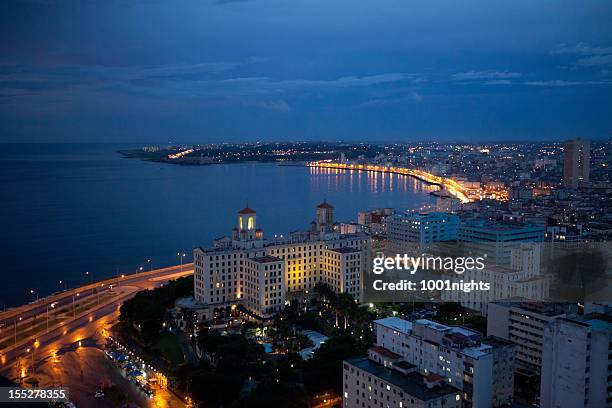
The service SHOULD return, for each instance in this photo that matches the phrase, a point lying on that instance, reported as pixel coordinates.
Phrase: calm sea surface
(71, 208)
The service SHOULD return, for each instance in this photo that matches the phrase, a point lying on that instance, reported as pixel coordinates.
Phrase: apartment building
(577, 363)
(482, 368)
(368, 384)
(523, 322)
(497, 239)
(422, 227)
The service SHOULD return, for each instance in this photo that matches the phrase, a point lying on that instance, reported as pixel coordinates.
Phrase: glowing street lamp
(52, 306)
(73, 304)
(20, 318)
(181, 255)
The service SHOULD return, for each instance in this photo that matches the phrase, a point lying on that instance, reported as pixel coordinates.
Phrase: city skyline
(262, 70)
(306, 204)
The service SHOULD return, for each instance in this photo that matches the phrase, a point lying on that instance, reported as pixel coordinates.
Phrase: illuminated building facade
(258, 274)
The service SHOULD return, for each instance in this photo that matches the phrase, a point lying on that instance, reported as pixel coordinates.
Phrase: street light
(150, 264)
(181, 255)
(32, 291)
(28, 351)
(101, 286)
(20, 318)
(52, 305)
(73, 305)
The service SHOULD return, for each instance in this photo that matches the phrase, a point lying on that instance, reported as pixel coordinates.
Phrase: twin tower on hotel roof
(324, 218)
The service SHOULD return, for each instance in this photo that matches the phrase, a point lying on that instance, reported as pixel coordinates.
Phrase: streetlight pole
(52, 306)
(16, 329)
(32, 355)
(74, 306)
(150, 264)
(90, 281)
(181, 255)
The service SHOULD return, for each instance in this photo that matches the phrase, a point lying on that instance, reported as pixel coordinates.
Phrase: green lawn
(168, 345)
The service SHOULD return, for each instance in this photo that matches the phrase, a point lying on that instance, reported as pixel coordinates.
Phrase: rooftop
(395, 323)
(411, 383)
(496, 226)
(534, 306)
(384, 352)
(246, 210)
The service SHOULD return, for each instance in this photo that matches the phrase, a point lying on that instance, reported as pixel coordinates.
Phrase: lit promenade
(449, 185)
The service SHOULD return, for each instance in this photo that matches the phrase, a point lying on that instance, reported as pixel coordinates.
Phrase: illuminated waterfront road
(65, 298)
(71, 355)
(16, 323)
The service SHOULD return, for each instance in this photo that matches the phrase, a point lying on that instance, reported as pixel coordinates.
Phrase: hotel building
(249, 271)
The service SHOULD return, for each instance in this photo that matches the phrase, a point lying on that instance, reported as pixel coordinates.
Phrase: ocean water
(68, 209)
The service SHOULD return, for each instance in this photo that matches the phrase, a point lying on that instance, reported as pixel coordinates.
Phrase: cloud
(590, 56)
(498, 82)
(562, 83)
(350, 81)
(482, 75)
(596, 61)
(581, 49)
(200, 85)
(278, 105)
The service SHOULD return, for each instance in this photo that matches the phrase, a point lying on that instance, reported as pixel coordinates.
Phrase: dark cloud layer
(154, 70)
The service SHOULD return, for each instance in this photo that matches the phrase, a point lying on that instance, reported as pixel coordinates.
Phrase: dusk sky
(235, 70)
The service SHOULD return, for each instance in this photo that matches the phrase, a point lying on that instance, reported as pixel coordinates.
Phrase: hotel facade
(247, 270)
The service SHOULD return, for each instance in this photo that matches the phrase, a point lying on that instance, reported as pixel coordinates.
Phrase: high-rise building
(576, 164)
(577, 363)
(247, 270)
(482, 368)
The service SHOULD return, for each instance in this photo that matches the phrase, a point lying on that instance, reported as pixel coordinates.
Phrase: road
(71, 354)
(17, 321)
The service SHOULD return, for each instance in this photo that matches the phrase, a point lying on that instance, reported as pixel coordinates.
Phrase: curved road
(70, 354)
